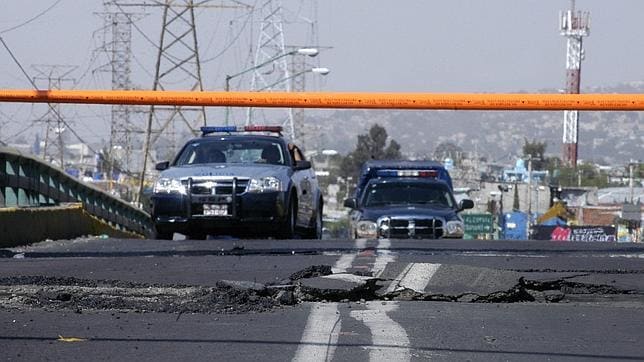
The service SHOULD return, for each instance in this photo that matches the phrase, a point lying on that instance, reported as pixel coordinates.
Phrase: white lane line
(322, 330)
(346, 261)
(351, 278)
(416, 276)
(389, 339)
(321, 334)
(384, 257)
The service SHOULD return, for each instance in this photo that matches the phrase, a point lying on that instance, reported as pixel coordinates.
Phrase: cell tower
(272, 71)
(55, 75)
(116, 35)
(574, 25)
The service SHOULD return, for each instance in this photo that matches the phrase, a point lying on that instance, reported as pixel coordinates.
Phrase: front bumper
(396, 227)
(187, 212)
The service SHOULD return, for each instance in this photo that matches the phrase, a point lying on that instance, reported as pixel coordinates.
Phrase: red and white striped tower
(574, 25)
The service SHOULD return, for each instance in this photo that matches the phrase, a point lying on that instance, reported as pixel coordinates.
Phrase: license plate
(215, 210)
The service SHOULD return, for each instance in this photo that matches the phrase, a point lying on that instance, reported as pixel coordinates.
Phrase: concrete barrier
(22, 226)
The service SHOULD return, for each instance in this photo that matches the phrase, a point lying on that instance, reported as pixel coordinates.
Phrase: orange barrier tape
(455, 101)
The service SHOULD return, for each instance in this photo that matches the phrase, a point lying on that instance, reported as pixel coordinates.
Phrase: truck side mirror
(351, 203)
(465, 204)
(162, 165)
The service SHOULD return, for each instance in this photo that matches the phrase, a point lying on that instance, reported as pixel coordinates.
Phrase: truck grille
(410, 228)
(218, 187)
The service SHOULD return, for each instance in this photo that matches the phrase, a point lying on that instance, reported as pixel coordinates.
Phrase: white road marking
(322, 330)
(321, 334)
(384, 257)
(389, 339)
(416, 276)
(346, 260)
(351, 278)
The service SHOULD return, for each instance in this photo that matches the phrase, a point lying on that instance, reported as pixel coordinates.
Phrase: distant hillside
(605, 137)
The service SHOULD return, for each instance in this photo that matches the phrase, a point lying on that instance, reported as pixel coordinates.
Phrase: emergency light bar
(231, 129)
(407, 173)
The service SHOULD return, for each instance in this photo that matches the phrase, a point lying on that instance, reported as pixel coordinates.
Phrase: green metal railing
(26, 181)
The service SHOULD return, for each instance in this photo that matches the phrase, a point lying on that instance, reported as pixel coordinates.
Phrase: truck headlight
(264, 184)
(169, 186)
(367, 229)
(454, 228)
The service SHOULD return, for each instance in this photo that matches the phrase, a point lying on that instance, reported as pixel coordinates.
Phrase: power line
(32, 19)
(60, 118)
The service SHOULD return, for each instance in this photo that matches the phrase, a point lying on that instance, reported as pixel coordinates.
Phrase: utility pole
(530, 189)
(630, 182)
(574, 25)
(55, 75)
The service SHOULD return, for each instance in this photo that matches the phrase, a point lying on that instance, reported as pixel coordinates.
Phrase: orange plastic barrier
(455, 101)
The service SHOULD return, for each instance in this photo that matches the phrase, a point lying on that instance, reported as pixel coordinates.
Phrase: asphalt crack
(226, 297)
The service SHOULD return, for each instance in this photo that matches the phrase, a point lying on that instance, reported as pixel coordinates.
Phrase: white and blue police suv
(246, 181)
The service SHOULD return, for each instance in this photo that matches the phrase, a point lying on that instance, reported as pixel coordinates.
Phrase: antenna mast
(574, 25)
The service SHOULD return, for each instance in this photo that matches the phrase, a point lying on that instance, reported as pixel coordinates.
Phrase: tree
(535, 150)
(371, 146)
(585, 175)
(515, 201)
(448, 150)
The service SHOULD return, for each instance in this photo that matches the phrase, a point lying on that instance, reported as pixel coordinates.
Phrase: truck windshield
(395, 193)
(232, 151)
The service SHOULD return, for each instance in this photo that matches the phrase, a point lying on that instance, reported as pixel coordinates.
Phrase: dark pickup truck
(405, 200)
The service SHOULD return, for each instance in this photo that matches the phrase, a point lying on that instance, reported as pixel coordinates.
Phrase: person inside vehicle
(208, 155)
(295, 152)
(271, 154)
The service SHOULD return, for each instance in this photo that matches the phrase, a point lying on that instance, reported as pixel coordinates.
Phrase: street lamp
(317, 70)
(311, 52)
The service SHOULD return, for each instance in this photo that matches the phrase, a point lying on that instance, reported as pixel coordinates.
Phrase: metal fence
(26, 181)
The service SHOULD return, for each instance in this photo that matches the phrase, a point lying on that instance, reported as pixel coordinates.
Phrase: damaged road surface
(321, 300)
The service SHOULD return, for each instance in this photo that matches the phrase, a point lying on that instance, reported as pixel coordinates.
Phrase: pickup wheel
(287, 231)
(315, 232)
(161, 233)
(196, 236)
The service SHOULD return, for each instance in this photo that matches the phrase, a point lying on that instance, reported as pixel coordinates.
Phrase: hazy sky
(411, 45)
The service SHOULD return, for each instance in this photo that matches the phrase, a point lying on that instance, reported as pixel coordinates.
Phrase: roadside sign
(477, 224)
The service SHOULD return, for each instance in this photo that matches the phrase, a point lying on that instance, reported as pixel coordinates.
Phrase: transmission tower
(55, 76)
(271, 71)
(116, 37)
(574, 25)
(177, 66)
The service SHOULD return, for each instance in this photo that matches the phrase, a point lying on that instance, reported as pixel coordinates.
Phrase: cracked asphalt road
(322, 300)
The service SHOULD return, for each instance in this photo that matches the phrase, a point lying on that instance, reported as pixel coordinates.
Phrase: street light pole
(311, 52)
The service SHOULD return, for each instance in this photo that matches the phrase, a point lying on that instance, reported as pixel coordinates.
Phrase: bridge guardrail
(26, 181)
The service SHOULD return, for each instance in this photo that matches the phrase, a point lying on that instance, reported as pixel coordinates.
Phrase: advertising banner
(575, 233)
